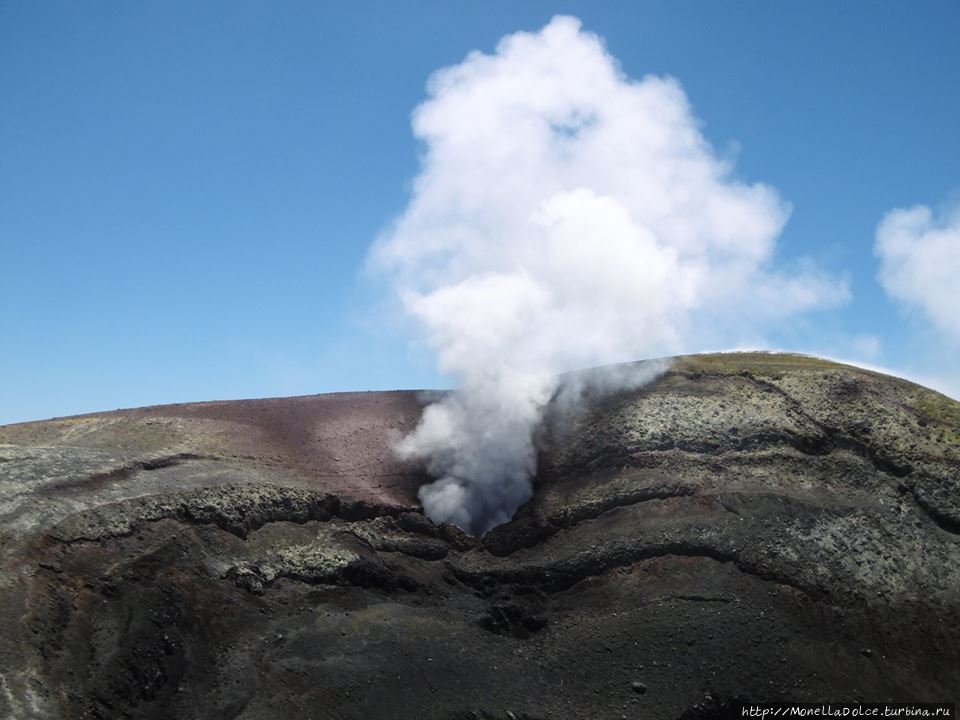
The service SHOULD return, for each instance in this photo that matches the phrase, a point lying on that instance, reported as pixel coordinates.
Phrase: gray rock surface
(750, 526)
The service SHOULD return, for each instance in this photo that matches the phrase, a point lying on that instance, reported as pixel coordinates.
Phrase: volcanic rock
(739, 529)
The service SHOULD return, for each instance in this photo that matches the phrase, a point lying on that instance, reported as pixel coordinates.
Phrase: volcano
(748, 527)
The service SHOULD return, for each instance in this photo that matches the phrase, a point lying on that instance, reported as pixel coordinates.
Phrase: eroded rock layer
(749, 526)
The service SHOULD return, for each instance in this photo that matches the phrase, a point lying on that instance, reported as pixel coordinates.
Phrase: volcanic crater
(748, 527)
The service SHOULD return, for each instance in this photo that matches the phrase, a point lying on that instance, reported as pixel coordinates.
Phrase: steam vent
(748, 526)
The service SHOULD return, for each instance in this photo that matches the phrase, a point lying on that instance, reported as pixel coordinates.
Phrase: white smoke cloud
(566, 216)
(919, 263)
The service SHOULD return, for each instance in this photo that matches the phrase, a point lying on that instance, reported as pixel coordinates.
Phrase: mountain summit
(747, 527)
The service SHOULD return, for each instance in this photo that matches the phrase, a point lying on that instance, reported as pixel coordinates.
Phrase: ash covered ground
(747, 527)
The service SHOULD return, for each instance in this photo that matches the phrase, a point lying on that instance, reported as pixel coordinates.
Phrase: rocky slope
(749, 526)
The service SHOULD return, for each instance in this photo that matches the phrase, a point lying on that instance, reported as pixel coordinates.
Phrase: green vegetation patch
(763, 364)
(936, 409)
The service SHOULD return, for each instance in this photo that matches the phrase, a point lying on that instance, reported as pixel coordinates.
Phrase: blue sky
(189, 190)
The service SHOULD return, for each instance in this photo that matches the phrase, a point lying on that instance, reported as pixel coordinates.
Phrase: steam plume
(565, 216)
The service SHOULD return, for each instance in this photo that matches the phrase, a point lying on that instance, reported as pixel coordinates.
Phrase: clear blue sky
(188, 190)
